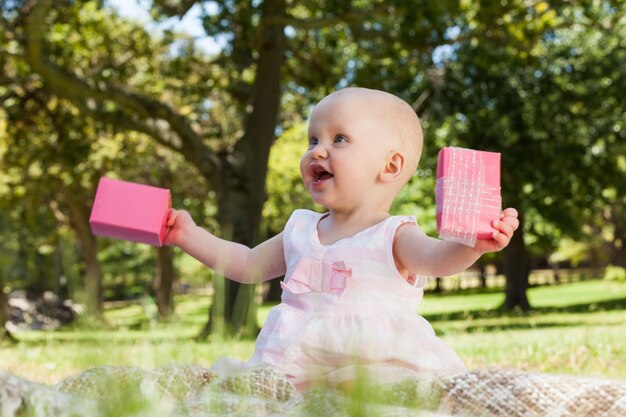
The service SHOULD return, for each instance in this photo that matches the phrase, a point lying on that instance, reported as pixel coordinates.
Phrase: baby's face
(348, 147)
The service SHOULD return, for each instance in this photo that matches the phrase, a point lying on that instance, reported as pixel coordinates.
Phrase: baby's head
(383, 136)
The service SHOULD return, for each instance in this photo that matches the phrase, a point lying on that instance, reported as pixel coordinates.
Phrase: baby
(351, 287)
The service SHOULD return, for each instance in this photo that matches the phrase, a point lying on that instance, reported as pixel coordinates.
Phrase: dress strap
(299, 227)
(393, 223)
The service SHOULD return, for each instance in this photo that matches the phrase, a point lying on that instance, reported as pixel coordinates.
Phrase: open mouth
(320, 174)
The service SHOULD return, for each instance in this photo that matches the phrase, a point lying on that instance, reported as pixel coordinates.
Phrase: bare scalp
(399, 118)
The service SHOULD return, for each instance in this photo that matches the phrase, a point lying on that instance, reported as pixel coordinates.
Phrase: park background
(219, 117)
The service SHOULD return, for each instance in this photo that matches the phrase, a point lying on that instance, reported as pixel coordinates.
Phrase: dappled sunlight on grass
(596, 350)
(444, 303)
(586, 293)
(575, 328)
(52, 360)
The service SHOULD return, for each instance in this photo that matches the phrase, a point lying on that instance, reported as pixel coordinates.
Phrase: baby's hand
(501, 237)
(179, 224)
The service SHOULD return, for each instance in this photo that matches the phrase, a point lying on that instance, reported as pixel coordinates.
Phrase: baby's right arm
(235, 261)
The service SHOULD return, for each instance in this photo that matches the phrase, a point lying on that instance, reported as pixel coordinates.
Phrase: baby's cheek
(303, 165)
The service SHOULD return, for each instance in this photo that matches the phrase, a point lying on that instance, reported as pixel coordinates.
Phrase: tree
(3, 301)
(45, 131)
(539, 93)
(278, 53)
(4, 308)
(341, 43)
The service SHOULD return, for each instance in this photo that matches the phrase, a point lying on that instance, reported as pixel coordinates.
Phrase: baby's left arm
(424, 255)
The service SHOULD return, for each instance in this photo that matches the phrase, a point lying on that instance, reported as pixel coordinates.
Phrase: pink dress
(345, 309)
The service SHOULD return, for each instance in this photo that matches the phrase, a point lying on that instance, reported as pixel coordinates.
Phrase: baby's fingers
(172, 217)
(509, 216)
(509, 212)
(507, 224)
(501, 239)
(504, 227)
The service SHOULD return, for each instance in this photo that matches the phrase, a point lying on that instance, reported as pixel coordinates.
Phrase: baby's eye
(313, 141)
(340, 139)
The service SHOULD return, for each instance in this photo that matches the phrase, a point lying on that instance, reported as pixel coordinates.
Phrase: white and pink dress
(345, 307)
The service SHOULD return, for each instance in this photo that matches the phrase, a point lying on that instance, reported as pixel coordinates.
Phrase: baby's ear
(393, 168)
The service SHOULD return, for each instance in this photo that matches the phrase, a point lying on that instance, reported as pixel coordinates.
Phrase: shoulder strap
(393, 224)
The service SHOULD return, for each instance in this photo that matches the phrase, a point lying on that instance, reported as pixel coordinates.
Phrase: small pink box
(130, 211)
(467, 194)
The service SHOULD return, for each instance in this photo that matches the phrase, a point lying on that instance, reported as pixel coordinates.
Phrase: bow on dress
(311, 275)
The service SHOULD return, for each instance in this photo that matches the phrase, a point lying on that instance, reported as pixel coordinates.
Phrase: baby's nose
(320, 152)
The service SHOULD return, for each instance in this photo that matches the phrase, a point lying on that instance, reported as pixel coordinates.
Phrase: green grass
(576, 329)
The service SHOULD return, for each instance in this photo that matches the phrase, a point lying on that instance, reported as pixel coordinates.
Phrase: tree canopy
(540, 82)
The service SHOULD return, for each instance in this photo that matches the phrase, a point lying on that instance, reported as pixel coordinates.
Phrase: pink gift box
(467, 194)
(130, 211)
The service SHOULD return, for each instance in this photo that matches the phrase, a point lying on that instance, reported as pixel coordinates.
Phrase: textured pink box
(130, 211)
(467, 194)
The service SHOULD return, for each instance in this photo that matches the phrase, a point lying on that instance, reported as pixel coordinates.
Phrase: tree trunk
(164, 282)
(60, 279)
(79, 220)
(241, 192)
(3, 304)
(483, 274)
(617, 248)
(245, 166)
(275, 291)
(233, 304)
(4, 308)
(515, 265)
(618, 256)
(438, 287)
(40, 284)
(94, 299)
(556, 273)
(4, 314)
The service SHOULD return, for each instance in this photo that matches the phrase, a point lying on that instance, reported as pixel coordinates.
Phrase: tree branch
(136, 112)
(310, 24)
(173, 8)
(348, 17)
